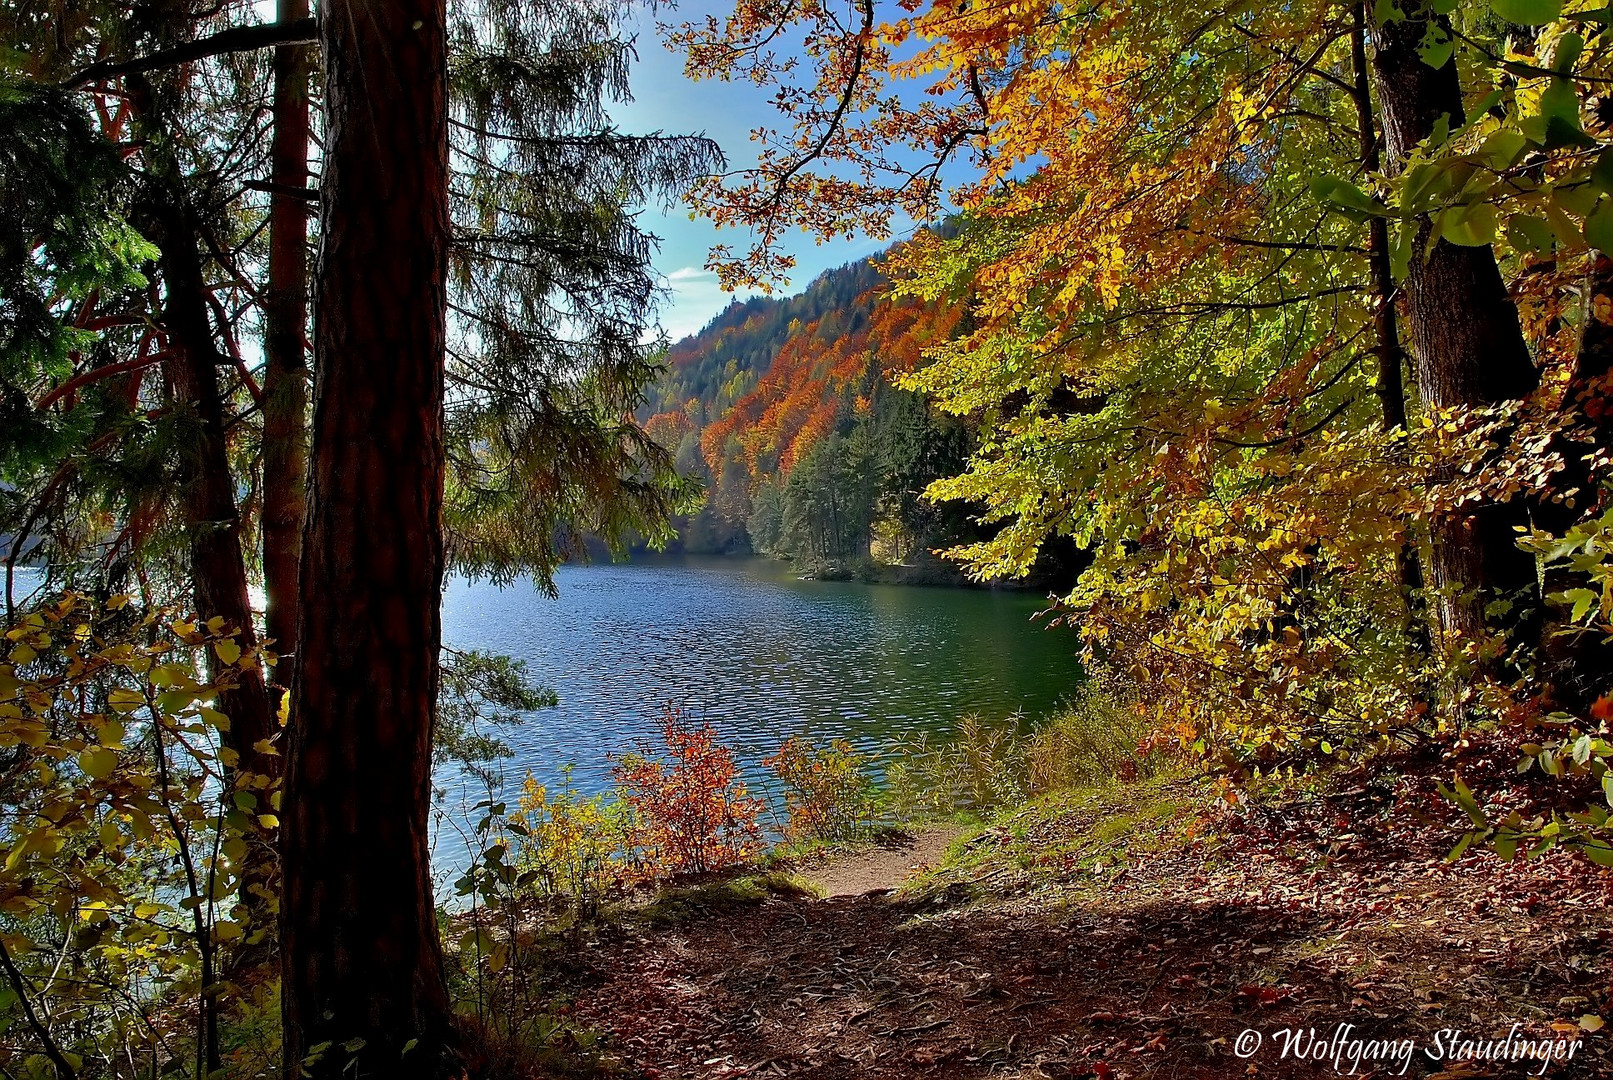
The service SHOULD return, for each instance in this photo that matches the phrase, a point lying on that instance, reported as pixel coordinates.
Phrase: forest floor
(1128, 932)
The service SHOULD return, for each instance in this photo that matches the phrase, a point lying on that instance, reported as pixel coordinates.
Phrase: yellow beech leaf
(124, 700)
(98, 762)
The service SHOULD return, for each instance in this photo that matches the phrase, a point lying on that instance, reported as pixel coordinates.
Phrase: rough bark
(360, 951)
(1468, 347)
(1391, 356)
(217, 566)
(285, 372)
(213, 522)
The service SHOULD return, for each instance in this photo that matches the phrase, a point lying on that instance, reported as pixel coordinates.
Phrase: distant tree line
(805, 448)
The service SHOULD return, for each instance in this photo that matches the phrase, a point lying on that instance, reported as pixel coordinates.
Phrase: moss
(680, 904)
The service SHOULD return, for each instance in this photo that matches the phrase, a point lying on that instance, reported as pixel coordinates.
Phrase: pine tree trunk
(217, 558)
(215, 524)
(285, 371)
(218, 566)
(1467, 345)
(362, 964)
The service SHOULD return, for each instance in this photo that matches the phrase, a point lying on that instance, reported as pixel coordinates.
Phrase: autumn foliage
(821, 367)
(130, 829)
(828, 791)
(1296, 318)
(690, 811)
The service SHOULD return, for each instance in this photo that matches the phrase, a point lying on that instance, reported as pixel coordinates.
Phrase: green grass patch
(678, 904)
(1064, 835)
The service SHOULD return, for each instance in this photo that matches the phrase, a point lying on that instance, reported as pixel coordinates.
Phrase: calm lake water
(743, 644)
(759, 654)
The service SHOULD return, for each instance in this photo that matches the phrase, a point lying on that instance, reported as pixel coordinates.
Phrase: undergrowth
(1091, 741)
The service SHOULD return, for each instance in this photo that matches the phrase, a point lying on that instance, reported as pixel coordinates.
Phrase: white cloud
(695, 298)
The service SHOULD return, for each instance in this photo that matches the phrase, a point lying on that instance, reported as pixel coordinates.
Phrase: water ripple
(759, 654)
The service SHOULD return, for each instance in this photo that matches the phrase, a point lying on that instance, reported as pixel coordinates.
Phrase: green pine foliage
(552, 289)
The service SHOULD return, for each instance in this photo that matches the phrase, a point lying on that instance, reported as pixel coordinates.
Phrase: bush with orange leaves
(690, 811)
(827, 789)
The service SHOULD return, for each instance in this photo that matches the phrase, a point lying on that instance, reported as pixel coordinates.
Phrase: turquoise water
(760, 655)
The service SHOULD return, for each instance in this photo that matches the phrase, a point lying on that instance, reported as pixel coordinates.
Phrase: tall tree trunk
(218, 566)
(1391, 388)
(1466, 340)
(215, 524)
(217, 558)
(285, 371)
(362, 964)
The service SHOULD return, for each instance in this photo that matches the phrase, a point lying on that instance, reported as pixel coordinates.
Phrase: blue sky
(664, 100)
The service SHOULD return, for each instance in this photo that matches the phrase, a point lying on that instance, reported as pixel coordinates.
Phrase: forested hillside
(708, 372)
(721, 364)
(787, 412)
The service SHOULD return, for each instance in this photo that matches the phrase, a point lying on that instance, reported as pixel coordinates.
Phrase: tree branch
(236, 39)
(64, 1070)
(307, 194)
(96, 374)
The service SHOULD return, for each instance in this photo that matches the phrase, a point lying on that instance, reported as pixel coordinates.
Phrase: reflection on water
(744, 645)
(759, 654)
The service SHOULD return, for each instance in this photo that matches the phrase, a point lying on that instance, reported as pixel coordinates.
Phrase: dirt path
(881, 867)
(1073, 969)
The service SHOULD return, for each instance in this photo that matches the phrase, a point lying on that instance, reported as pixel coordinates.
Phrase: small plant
(481, 694)
(981, 768)
(1090, 741)
(690, 811)
(828, 791)
(1574, 749)
(577, 848)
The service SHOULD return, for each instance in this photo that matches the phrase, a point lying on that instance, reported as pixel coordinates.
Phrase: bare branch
(234, 40)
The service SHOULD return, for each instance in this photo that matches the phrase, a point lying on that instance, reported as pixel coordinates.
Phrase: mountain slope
(786, 410)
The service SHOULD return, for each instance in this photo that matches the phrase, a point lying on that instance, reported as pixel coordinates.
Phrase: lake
(761, 655)
(745, 645)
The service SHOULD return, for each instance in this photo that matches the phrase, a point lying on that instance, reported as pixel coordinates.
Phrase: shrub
(690, 811)
(130, 831)
(982, 767)
(1091, 740)
(577, 849)
(828, 791)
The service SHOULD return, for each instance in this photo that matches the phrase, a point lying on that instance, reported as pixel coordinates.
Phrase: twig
(63, 1070)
